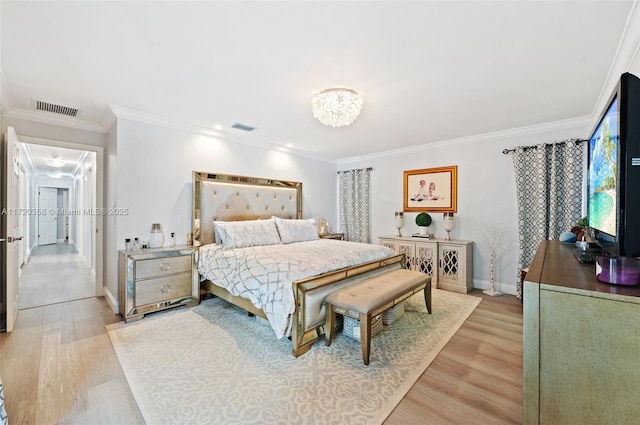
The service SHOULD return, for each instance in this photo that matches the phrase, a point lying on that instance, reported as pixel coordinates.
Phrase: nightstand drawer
(162, 266)
(162, 289)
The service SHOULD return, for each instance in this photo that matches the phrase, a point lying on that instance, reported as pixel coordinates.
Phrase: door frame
(99, 194)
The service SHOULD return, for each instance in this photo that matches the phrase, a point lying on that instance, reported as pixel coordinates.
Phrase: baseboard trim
(113, 303)
(505, 288)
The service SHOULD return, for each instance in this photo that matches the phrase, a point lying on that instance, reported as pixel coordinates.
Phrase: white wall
(486, 191)
(153, 179)
(110, 243)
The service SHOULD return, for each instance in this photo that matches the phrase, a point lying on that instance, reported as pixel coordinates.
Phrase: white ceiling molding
(61, 120)
(626, 53)
(146, 118)
(6, 104)
(9, 110)
(481, 138)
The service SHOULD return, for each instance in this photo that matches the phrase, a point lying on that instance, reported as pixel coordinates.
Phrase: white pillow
(296, 230)
(242, 234)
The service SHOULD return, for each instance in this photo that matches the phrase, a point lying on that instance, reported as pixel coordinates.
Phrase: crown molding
(626, 53)
(155, 120)
(62, 121)
(146, 118)
(481, 138)
(5, 97)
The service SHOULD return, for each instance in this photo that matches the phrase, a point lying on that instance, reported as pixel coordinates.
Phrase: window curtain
(549, 194)
(354, 204)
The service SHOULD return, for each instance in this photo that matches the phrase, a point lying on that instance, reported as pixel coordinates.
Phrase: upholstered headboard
(227, 197)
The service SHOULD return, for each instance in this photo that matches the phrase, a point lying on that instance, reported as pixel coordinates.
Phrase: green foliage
(582, 222)
(423, 219)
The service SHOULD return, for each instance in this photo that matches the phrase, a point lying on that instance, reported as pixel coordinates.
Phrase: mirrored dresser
(156, 279)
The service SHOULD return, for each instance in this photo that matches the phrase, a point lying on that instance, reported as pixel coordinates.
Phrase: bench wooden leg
(329, 323)
(427, 296)
(365, 336)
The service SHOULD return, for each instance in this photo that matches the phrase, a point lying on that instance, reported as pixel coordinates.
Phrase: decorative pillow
(242, 234)
(296, 230)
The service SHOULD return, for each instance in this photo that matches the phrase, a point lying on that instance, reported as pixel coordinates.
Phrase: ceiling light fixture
(336, 107)
(55, 161)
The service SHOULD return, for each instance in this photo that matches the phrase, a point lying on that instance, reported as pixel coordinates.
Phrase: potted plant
(580, 229)
(423, 220)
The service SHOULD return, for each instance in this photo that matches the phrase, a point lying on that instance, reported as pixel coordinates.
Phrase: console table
(580, 342)
(449, 263)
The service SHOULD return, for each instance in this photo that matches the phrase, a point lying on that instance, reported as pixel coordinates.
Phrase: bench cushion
(374, 293)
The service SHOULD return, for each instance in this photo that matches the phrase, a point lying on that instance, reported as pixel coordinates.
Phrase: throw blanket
(264, 274)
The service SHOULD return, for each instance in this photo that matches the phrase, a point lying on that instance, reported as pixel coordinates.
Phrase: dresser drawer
(162, 289)
(159, 267)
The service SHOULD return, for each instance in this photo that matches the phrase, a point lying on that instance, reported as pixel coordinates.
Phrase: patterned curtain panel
(549, 192)
(354, 204)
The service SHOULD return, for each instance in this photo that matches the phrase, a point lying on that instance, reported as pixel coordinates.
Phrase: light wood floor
(58, 366)
(55, 273)
(477, 377)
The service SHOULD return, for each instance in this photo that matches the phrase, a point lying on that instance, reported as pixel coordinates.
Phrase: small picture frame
(431, 190)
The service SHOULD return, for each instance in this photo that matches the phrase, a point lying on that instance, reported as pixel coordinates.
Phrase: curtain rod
(506, 151)
(361, 169)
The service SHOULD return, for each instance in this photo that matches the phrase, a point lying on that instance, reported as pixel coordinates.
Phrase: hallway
(55, 273)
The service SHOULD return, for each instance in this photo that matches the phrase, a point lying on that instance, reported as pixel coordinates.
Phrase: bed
(257, 252)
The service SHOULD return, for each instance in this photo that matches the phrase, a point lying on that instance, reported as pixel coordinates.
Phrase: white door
(48, 222)
(11, 227)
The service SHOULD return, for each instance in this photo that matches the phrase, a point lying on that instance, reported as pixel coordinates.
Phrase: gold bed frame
(230, 197)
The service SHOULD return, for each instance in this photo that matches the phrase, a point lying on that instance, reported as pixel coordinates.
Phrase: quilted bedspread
(264, 274)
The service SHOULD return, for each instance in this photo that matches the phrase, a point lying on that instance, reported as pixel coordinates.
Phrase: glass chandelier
(336, 107)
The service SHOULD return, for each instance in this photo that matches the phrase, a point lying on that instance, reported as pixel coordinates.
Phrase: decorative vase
(156, 238)
(399, 221)
(423, 230)
(448, 224)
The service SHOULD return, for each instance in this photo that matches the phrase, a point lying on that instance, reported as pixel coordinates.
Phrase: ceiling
(70, 160)
(428, 71)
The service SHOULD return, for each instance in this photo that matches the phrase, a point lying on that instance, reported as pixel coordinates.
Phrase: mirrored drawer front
(162, 266)
(162, 289)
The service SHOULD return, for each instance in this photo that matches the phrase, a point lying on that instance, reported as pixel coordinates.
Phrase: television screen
(603, 173)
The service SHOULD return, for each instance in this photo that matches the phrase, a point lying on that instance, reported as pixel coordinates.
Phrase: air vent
(243, 127)
(57, 109)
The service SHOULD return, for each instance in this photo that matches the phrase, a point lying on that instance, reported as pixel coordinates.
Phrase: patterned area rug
(212, 364)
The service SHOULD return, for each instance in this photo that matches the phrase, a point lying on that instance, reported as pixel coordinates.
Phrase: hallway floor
(55, 273)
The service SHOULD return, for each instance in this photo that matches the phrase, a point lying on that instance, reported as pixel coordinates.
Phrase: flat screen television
(613, 177)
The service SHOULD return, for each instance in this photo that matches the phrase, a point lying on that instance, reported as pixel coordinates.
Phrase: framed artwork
(431, 190)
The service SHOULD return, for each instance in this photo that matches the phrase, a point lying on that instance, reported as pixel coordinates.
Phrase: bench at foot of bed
(367, 299)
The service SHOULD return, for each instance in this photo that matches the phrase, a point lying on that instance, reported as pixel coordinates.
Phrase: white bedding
(264, 274)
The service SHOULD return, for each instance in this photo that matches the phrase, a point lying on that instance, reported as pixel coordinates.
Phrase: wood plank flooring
(477, 377)
(58, 366)
(55, 273)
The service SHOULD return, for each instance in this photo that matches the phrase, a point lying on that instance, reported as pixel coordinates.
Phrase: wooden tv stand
(581, 343)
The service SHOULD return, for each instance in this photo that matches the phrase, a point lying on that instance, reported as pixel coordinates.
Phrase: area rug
(213, 364)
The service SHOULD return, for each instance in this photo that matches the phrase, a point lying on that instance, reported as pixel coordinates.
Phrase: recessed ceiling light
(217, 127)
(289, 145)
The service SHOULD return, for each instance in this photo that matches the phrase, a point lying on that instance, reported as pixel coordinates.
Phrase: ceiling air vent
(58, 109)
(243, 127)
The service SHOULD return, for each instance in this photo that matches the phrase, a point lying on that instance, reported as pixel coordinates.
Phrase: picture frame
(431, 190)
